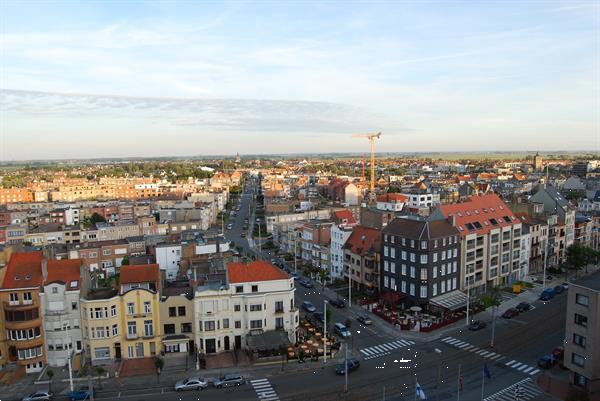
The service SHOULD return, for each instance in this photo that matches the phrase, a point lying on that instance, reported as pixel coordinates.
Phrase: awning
(177, 338)
(267, 340)
(452, 301)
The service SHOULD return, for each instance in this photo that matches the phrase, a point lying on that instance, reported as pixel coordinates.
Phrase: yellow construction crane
(371, 138)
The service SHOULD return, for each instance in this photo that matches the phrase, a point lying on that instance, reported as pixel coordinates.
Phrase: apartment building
(420, 260)
(315, 239)
(168, 257)
(391, 202)
(124, 323)
(321, 214)
(361, 258)
(490, 241)
(105, 257)
(341, 229)
(582, 333)
(177, 318)
(20, 300)
(257, 299)
(60, 308)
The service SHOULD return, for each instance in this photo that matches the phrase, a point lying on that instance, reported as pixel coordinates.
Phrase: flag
(486, 371)
(420, 392)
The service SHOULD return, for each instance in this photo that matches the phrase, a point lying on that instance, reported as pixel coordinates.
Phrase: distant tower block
(238, 159)
(538, 162)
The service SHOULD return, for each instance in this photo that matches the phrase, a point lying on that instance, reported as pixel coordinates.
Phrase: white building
(292, 217)
(257, 298)
(391, 202)
(60, 310)
(339, 235)
(352, 195)
(525, 252)
(418, 200)
(168, 257)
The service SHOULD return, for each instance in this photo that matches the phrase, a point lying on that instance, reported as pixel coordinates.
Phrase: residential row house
(315, 239)
(343, 224)
(362, 251)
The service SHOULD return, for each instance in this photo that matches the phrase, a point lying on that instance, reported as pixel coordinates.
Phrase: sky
(167, 78)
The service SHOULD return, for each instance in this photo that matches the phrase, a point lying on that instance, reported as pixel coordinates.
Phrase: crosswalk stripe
(387, 347)
(484, 354)
(470, 347)
(496, 356)
(463, 345)
(407, 343)
(259, 381)
(510, 363)
(475, 349)
(517, 365)
(364, 352)
(522, 367)
(447, 339)
(534, 372)
(455, 341)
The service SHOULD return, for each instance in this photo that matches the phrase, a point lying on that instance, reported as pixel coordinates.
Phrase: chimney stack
(452, 220)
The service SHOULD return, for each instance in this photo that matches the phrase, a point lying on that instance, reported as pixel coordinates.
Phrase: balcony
(279, 311)
(16, 305)
(132, 336)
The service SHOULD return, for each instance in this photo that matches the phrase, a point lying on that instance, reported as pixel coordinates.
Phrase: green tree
(50, 374)
(576, 256)
(492, 298)
(159, 363)
(323, 277)
(96, 218)
(125, 260)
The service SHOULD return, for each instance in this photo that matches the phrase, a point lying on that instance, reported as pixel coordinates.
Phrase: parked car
(229, 226)
(352, 363)
(230, 380)
(547, 294)
(341, 330)
(306, 283)
(243, 235)
(565, 286)
(477, 325)
(83, 393)
(364, 319)
(546, 362)
(558, 353)
(40, 395)
(523, 307)
(338, 303)
(559, 289)
(308, 306)
(319, 316)
(510, 313)
(549, 277)
(296, 276)
(192, 383)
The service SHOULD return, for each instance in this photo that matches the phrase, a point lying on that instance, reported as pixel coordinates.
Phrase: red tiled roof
(131, 274)
(392, 198)
(341, 215)
(259, 270)
(362, 239)
(481, 210)
(24, 270)
(67, 271)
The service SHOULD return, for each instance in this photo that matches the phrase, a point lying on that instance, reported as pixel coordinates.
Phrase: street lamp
(437, 386)
(468, 299)
(325, 331)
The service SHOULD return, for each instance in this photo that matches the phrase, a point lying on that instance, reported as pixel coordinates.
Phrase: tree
(125, 260)
(50, 374)
(159, 363)
(492, 298)
(323, 276)
(576, 256)
(100, 371)
(96, 218)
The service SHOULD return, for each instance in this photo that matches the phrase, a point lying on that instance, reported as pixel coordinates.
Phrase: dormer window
(17, 278)
(28, 277)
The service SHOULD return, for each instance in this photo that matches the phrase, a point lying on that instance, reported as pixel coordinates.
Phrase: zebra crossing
(526, 390)
(484, 353)
(377, 351)
(264, 390)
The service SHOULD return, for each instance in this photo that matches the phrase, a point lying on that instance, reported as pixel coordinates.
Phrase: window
(385, 251)
(209, 325)
(393, 267)
(130, 308)
(582, 300)
(147, 307)
(423, 244)
(403, 286)
(412, 257)
(580, 320)
(169, 328)
(403, 269)
(255, 308)
(238, 324)
(386, 266)
(113, 310)
(443, 269)
(13, 297)
(225, 323)
(423, 291)
(55, 290)
(172, 311)
(73, 305)
(254, 288)
(131, 329)
(279, 306)
(412, 271)
(102, 353)
(412, 289)
(434, 290)
(115, 330)
(424, 259)
(434, 257)
(577, 359)
(386, 282)
(106, 252)
(255, 324)
(148, 329)
(181, 310)
(579, 340)
(279, 323)
(403, 255)
(443, 289)
(424, 274)
(434, 271)
(239, 289)
(236, 307)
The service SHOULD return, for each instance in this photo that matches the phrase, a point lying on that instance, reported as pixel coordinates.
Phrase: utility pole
(295, 252)
(437, 386)
(70, 370)
(493, 325)
(468, 300)
(349, 288)
(346, 369)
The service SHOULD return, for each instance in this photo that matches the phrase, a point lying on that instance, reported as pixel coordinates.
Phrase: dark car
(546, 362)
(306, 283)
(353, 364)
(523, 307)
(364, 319)
(477, 325)
(319, 316)
(83, 393)
(559, 289)
(510, 313)
(308, 306)
(338, 303)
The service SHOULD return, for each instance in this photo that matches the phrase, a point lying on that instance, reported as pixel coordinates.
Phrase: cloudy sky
(162, 78)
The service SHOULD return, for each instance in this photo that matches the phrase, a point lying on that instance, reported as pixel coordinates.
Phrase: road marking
(528, 390)
(528, 369)
(516, 366)
(264, 390)
(380, 350)
(534, 372)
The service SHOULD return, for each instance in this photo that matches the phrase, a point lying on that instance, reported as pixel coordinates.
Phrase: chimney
(44, 268)
(452, 220)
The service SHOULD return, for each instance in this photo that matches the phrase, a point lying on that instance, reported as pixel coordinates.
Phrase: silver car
(40, 395)
(229, 380)
(193, 383)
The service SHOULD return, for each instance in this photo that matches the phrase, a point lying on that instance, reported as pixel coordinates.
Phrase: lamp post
(324, 331)
(468, 299)
(437, 386)
(295, 252)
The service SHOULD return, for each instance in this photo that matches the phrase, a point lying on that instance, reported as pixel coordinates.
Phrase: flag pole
(416, 383)
(458, 387)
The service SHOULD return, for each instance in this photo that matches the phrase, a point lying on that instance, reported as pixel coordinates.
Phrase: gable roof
(24, 270)
(479, 214)
(420, 229)
(363, 239)
(66, 271)
(392, 198)
(132, 274)
(259, 270)
(341, 215)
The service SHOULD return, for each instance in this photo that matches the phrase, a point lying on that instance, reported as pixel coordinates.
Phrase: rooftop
(133, 274)
(67, 271)
(24, 270)
(259, 270)
(592, 281)
(363, 239)
(100, 293)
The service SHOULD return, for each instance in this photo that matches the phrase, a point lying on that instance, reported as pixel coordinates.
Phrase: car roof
(232, 376)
